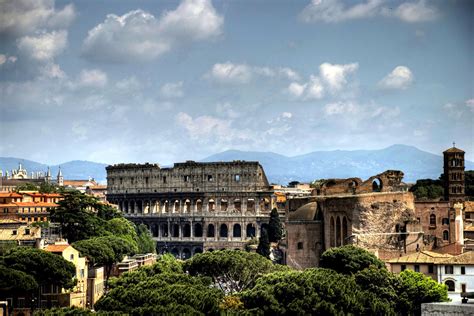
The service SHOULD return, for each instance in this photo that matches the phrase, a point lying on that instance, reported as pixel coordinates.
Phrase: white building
(457, 272)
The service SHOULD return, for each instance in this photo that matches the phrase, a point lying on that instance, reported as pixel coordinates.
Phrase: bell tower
(454, 175)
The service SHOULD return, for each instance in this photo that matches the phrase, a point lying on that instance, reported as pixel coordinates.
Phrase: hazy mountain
(415, 163)
(76, 169)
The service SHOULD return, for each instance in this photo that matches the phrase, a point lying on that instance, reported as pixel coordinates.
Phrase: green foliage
(15, 280)
(44, 267)
(6, 245)
(427, 189)
(469, 184)
(26, 187)
(46, 187)
(349, 259)
(145, 242)
(415, 288)
(164, 293)
(66, 311)
(231, 270)
(263, 247)
(275, 230)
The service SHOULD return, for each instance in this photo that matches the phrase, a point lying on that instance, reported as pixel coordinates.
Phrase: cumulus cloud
(21, 17)
(470, 104)
(340, 108)
(172, 90)
(334, 11)
(92, 78)
(5, 59)
(52, 71)
(43, 46)
(140, 36)
(205, 126)
(400, 78)
(332, 77)
(241, 73)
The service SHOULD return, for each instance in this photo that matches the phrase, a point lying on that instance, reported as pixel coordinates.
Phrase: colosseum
(193, 206)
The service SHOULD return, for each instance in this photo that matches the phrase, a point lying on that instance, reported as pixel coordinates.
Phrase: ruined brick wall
(305, 245)
(435, 220)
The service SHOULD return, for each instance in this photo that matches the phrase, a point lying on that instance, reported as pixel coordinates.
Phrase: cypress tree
(264, 244)
(275, 230)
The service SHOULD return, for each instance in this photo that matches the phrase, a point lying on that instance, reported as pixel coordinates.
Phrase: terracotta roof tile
(465, 258)
(453, 150)
(57, 248)
(10, 194)
(421, 257)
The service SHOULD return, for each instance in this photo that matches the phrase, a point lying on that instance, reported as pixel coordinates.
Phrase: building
(27, 206)
(10, 180)
(52, 295)
(454, 189)
(95, 285)
(425, 262)
(16, 233)
(194, 206)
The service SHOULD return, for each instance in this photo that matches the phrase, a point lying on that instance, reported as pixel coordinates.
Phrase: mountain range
(415, 163)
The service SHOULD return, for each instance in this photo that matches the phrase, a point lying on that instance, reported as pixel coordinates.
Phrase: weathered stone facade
(193, 207)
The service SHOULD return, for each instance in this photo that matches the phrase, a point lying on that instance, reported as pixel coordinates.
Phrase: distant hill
(76, 169)
(415, 163)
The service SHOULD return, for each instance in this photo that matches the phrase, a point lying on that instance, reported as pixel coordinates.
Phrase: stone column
(217, 204)
(192, 205)
(180, 231)
(243, 205)
(191, 230)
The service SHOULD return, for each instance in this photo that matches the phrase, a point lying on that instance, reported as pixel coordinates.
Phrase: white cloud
(400, 78)
(296, 89)
(470, 104)
(43, 46)
(92, 78)
(340, 108)
(335, 75)
(227, 110)
(53, 71)
(128, 84)
(21, 17)
(205, 126)
(5, 59)
(139, 36)
(413, 12)
(172, 90)
(334, 11)
(241, 73)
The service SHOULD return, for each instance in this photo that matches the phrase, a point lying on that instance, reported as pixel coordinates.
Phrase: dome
(306, 212)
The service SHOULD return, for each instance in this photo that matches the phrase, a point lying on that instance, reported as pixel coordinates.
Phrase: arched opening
(187, 230)
(377, 185)
(197, 250)
(175, 231)
(338, 232)
(166, 206)
(224, 205)
(197, 230)
(199, 205)
(210, 250)
(237, 231)
(223, 232)
(176, 206)
(237, 205)
(332, 233)
(154, 230)
(344, 231)
(186, 253)
(432, 220)
(445, 235)
(250, 233)
(299, 246)
(450, 284)
(210, 230)
(251, 205)
(211, 205)
(187, 206)
(164, 230)
(175, 252)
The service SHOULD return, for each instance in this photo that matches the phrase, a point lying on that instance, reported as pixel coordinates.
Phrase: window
(432, 220)
(404, 267)
(463, 270)
(71, 256)
(164, 179)
(82, 273)
(450, 285)
(300, 245)
(445, 235)
(27, 231)
(186, 178)
(210, 178)
(448, 269)
(237, 177)
(417, 268)
(14, 232)
(431, 269)
(445, 221)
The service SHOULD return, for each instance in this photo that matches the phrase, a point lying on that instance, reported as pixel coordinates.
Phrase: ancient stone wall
(305, 246)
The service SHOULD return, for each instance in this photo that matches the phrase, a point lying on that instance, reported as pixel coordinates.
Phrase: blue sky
(166, 81)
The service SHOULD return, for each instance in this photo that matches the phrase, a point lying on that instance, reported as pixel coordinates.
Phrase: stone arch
(377, 185)
(197, 230)
(199, 205)
(164, 230)
(176, 206)
(155, 230)
(332, 233)
(187, 230)
(344, 231)
(186, 254)
(451, 285)
(223, 231)
(211, 205)
(338, 232)
(197, 250)
(175, 252)
(237, 205)
(187, 206)
(211, 232)
(175, 230)
(237, 231)
(166, 206)
(250, 231)
(224, 205)
(210, 250)
(251, 205)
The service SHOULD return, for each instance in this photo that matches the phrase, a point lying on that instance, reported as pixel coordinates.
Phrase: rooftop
(421, 257)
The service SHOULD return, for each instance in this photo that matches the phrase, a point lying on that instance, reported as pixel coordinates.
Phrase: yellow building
(78, 295)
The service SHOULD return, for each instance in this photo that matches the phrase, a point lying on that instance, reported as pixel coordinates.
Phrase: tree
(428, 189)
(231, 270)
(46, 187)
(16, 281)
(263, 247)
(414, 289)
(469, 184)
(44, 267)
(275, 230)
(349, 259)
(26, 187)
(145, 242)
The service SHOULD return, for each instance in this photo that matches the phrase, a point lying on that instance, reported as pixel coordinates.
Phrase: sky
(168, 81)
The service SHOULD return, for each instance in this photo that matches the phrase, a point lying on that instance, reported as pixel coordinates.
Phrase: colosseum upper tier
(194, 206)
